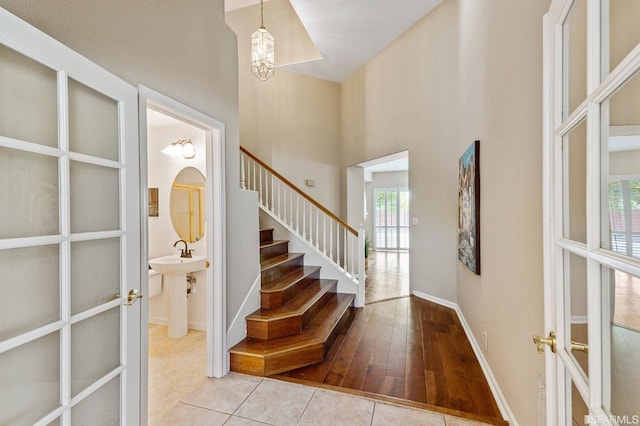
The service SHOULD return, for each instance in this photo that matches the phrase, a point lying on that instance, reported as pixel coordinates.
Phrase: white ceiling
(348, 33)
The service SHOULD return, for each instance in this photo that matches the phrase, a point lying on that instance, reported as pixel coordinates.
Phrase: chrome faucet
(184, 252)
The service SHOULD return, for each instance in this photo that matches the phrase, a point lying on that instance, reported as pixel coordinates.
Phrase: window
(392, 218)
(624, 216)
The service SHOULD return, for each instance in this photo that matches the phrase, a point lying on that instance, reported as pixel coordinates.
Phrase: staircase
(299, 317)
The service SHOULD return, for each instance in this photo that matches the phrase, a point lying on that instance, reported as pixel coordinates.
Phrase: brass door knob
(541, 341)
(132, 297)
(577, 346)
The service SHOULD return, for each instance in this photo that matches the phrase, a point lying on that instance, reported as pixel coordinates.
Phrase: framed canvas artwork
(469, 208)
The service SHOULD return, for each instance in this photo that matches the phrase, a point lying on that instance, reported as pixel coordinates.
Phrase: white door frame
(560, 367)
(215, 235)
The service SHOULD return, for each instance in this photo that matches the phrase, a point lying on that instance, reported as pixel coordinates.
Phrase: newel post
(359, 303)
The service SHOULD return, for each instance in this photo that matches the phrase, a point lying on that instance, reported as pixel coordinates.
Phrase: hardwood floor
(408, 350)
(388, 276)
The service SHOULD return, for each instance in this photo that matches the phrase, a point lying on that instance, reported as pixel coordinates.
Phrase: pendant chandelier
(263, 63)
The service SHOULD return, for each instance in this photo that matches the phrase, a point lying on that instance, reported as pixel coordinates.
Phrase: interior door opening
(182, 191)
(176, 181)
(387, 226)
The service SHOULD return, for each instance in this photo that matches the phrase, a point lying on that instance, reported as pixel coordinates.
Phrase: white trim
(191, 325)
(30, 147)
(217, 358)
(578, 319)
(96, 385)
(503, 405)
(237, 329)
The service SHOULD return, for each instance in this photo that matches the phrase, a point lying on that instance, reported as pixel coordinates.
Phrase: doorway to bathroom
(182, 192)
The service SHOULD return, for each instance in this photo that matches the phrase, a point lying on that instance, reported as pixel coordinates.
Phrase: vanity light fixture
(182, 147)
(263, 64)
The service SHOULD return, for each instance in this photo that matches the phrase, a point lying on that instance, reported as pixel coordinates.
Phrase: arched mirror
(187, 204)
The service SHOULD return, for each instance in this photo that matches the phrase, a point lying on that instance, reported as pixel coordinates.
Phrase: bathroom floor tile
(225, 394)
(334, 408)
(386, 414)
(176, 367)
(277, 403)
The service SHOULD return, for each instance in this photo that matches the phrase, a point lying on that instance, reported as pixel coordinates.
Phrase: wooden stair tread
(317, 332)
(298, 305)
(291, 279)
(275, 261)
(272, 243)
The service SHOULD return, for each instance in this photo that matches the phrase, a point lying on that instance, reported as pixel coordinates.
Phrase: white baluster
(330, 238)
(346, 253)
(278, 202)
(317, 228)
(242, 177)
(290, 221)
(338, 244)
(255, 185)
(324, 234)
(304, 221)
(298, 214)
(261, 189)
(268, 188)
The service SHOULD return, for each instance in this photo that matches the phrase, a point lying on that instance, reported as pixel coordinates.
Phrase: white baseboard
(191, 325)
(238, 328)
(200, 326)
(158, 320)
(505, 410)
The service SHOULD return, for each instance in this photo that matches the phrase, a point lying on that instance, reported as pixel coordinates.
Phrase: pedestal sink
(176, 268)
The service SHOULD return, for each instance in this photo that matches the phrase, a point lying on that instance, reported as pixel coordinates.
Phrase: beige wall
(292, 122)
(472, 69)
(186, 53)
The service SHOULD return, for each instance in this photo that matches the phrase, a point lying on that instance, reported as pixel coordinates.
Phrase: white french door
(69, 236)
(591, 161)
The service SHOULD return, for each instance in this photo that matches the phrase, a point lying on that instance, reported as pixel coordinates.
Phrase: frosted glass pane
(30, 381)
(56, 422)
(574, 34)
(28, 105)
(101, 408)
(28, 194)
(575, 185)
(93, 122)
(95, 348)
(29, 289)
(95, 198)
(576, 305)
(95, 273)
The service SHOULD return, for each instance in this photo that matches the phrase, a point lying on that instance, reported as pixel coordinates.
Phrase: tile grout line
(247, 397)
(306, 406)
(373, 412)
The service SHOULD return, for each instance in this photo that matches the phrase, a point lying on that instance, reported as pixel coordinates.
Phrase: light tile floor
(239, 399)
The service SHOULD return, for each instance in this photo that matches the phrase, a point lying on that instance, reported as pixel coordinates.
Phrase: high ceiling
(327, 39)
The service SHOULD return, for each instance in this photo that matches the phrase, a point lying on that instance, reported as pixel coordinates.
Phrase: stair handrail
(348, 255)
(295, 188)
